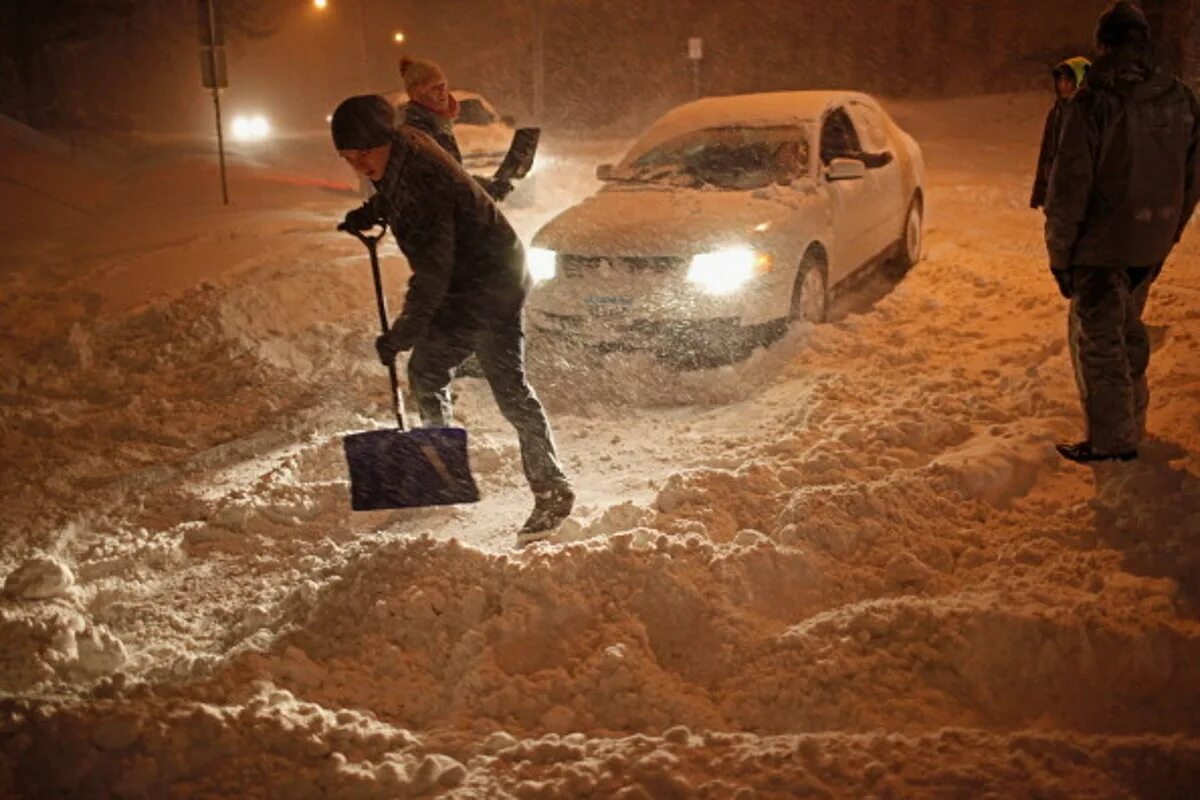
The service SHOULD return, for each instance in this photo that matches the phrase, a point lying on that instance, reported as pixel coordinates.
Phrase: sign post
(212, 72)
(696, 55)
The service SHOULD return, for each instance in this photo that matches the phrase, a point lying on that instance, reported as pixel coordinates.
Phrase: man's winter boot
(1082, 453)
(550, 508)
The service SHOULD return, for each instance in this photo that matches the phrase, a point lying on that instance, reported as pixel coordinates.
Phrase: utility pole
(695, 55)
(212, 73)
(539, 60)
(362, 42)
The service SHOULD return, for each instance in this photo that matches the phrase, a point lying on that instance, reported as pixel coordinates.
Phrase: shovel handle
(372, 244)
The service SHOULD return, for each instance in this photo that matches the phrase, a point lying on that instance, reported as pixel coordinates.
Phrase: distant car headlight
(726, 271)
(250, 128)
(543, 264)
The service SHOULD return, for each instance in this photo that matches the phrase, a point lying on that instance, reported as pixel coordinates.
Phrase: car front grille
(574, 266)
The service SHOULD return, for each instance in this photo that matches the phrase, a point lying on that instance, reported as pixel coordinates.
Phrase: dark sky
(603, 61)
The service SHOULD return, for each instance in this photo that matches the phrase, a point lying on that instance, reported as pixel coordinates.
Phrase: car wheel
(810, 298)
(910, 245)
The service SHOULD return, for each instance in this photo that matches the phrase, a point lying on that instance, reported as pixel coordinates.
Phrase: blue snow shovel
(401, 468)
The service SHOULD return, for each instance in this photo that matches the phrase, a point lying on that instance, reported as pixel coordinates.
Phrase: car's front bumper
(634, 295)
(670, 338)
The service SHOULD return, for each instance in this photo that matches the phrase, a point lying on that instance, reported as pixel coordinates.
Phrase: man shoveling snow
(467, 291)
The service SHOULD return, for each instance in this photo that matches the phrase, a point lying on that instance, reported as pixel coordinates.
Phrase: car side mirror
(604, 172)
(845, 169)
(509, 120)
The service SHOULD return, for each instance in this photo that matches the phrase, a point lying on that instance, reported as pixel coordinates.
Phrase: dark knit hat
(362, 122)
(1122, 23)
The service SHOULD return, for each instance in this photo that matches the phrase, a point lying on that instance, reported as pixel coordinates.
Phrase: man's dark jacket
(468, 266)
(1127, 174)
(1050, 136)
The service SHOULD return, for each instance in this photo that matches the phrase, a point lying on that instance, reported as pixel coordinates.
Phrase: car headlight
(543, 264)
(726, 271)
(253, 128)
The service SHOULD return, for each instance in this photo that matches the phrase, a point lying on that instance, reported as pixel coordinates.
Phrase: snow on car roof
(762, 110)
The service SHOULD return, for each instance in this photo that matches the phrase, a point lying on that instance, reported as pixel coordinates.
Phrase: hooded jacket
(468, 266)
(1126, 177)
(1077, 68)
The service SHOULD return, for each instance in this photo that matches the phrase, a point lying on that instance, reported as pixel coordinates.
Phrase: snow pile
(851, 564)
(48, 633)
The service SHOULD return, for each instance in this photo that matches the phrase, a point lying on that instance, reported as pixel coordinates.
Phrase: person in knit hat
(467, 291)
(1068, 77)
(1124, 185)
(432, 110)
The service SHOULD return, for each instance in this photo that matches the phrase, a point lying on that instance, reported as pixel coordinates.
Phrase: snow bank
(851, 564)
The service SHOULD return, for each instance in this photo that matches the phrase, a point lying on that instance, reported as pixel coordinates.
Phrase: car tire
(810, 298)
(912, 237)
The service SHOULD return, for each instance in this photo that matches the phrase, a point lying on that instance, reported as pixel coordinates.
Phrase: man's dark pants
(500, 347)
(1110, 350)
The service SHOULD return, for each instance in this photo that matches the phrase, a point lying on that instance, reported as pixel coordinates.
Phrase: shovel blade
(406, 469)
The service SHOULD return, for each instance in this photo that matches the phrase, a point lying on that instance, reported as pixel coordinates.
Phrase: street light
(320, 5)
(399, 37)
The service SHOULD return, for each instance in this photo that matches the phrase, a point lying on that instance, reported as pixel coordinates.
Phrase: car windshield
(474, 112)
(734, 158)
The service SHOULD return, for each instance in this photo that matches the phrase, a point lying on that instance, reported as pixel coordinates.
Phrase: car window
(839, 139)
(733, 157)
(474, 112)
(870, 124)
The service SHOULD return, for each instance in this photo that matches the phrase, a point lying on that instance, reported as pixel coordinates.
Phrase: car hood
(642, 221)
(483, 143)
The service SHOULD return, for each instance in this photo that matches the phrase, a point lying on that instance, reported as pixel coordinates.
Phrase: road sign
(212, 68)
(695, 48)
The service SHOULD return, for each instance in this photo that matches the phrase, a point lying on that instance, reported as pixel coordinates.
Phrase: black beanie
(1122, 23)
(362, 122)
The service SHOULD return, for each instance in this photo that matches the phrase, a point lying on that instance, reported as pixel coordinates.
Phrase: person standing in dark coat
(1068, 77)
(1124, 185)
(432, 109)
(467, 291)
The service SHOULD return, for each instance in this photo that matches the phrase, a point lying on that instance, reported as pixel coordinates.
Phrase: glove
(1063, 278)
(388, 346)
(362, 218)
(499, 189)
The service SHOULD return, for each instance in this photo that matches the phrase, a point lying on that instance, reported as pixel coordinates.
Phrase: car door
(887, 204)
(849, 200)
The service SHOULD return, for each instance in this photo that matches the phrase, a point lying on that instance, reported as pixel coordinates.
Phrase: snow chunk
(40, 578)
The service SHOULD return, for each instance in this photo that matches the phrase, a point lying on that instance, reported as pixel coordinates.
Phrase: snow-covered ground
(849, 566)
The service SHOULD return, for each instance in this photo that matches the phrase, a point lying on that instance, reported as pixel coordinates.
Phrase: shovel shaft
(372, 243)
(385, 325)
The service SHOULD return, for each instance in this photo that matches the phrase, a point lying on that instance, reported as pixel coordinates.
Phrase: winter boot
(550, 508)
(1082, 453)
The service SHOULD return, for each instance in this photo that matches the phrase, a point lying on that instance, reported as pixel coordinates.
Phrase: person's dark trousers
(500, 347)
(1110, 350)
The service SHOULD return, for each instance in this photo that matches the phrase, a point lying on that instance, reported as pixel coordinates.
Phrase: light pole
(539, 59)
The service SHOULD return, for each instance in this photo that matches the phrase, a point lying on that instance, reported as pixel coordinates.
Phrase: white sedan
(728, 219)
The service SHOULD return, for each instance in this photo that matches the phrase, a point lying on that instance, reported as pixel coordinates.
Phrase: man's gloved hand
(499, 189)
(1063, 278)
(388, 346)
(362, 218)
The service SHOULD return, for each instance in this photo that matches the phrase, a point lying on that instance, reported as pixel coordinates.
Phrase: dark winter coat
(1050, 136)
(435, 126)
(441, 130)
(1127, 174)
(468, 266)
